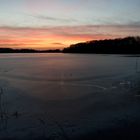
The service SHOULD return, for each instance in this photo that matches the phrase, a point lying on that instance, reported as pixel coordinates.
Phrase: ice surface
(65, 95)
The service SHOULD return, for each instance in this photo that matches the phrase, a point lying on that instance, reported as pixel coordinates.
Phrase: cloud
(62, 36)
(14, 45)
(71, 31)
(57, 43)
(134, 23)
(9, 45)
(50, 18)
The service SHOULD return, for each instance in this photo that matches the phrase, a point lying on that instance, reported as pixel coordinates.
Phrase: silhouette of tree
(10, 50)
(128, 45)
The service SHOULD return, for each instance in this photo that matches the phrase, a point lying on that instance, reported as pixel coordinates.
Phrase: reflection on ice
(60, 96)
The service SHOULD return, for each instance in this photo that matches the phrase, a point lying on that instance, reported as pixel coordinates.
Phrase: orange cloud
(60, 36)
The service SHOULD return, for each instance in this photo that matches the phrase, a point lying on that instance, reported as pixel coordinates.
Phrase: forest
(128, 45)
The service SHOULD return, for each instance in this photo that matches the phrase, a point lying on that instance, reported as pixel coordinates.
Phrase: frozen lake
(64, 96)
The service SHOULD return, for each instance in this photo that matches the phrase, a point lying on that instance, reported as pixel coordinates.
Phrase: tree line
(10, 50)
(128, 45)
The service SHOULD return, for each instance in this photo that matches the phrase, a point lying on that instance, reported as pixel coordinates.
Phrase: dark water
(62, 96)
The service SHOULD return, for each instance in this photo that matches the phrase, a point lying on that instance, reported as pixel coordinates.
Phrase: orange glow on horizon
(45, 38)
(48, 42)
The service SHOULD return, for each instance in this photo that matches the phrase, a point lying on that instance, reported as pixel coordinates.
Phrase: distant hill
(128, 45)
(10, 50)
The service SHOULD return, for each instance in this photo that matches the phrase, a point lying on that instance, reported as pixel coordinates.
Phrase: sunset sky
(49, 24)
